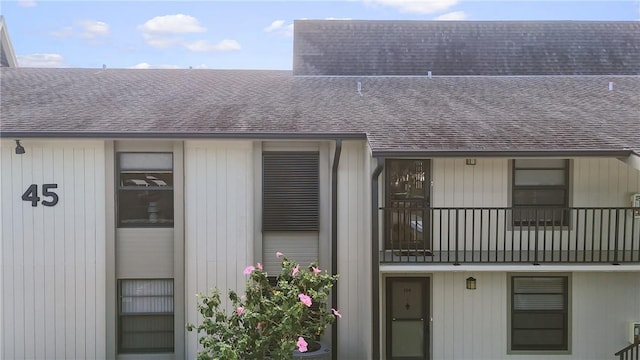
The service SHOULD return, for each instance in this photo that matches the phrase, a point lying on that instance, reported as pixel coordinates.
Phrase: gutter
(334, 243)
(513, 153)
(375, 262)
(181, 135)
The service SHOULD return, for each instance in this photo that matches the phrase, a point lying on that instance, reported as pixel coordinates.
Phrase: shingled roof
(397, 114)
(357, 47)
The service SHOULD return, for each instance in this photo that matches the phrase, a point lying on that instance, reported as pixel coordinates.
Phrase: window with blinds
(145, 316)
(290, 191)
(540, 193)
(539, 313)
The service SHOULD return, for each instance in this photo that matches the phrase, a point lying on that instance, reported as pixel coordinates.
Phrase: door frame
(426, 308)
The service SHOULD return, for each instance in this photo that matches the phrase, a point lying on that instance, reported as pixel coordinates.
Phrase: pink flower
(316, 270)
(305, 299)
(336, 313)
(260, 266)
(295, 270)
(302, 345)
(239, 310)
(259, 326)
(279, 254)
(248, 270)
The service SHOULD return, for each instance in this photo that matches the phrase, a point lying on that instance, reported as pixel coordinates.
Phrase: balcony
(510, 235)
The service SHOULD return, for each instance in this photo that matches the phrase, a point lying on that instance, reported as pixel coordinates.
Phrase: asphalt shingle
(387, 47)
(404, 114)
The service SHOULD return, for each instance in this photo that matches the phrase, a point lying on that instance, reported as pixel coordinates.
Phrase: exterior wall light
(471, 283)
(19, 148)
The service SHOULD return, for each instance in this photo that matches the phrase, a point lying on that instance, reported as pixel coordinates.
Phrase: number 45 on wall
(32, 195)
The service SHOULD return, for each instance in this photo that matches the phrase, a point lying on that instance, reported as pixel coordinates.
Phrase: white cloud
(279, 28)
(416, 6)
(93, 29)
(145, 65)
(172, 24)
(454, 15)
(90, 30)
(65, 32)
(41, 61)
(162, 32)
(274, 26)
(203, 45)
(160, 42)
(27, 3)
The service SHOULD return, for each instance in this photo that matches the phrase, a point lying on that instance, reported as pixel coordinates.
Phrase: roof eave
(618, 153)
(181, 135)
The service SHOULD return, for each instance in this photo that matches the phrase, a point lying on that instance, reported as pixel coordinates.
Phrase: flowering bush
(268, 321)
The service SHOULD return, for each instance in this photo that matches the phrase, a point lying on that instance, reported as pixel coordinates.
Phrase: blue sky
(234, 34)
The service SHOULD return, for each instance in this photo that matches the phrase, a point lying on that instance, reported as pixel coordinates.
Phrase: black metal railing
(631, 352)
(511, 235)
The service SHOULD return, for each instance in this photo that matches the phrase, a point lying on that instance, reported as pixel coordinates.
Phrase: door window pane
(407, 338)
(407, 204)
(406, 179)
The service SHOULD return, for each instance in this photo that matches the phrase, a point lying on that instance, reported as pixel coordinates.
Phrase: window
(291, 191)
(540, 194)
(539, 313)
(145, 316)
(145, 190)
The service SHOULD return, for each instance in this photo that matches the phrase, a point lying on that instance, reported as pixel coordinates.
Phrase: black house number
(32, 195)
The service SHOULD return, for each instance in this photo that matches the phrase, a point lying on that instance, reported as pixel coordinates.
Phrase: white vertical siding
(53, 265)
(473, 324)
(219, 184)
(456, 184)
(354, 252)
(604, 182)
(603, 305)
(468, 324)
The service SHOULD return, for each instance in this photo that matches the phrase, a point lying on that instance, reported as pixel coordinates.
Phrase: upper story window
(145, 190)
(540, 193)
(290, 191)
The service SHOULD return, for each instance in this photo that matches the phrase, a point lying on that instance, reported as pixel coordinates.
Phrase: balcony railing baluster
(510, 235)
